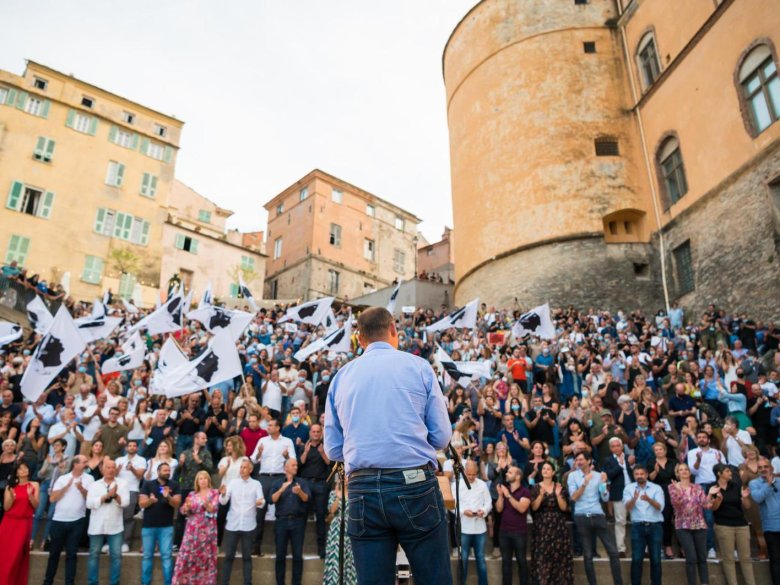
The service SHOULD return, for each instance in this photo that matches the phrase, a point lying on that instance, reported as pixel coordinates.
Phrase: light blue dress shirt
(385, 409)
(590, 500)
(643, 511)
(768, 501)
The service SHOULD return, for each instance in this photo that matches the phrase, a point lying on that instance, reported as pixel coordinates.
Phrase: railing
(16, 295)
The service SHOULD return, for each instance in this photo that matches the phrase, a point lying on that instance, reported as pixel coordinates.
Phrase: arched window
(647, 60)
(760, 87)
(672, 170)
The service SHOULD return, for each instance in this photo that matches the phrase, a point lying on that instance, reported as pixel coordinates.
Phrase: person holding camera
(106, 498)
(158, 499)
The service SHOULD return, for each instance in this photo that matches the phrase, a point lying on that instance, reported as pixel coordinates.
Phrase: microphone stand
(457, 469)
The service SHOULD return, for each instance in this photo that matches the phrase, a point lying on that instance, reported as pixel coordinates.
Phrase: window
(149, 185)
(649, 66)
(18, 246)
(30, 200)
(122, 225)
(204, 216)
(186, 243)
(613, 228)
(160, 131)
(274, 288)
(337, 195)
(87, 102)
(4, 95)
(115, 174)
(335, 235)
(580, 1)
(39, 83)
(280, 209)
(104, 223)
(128, 118)
(589, 46)
(123, 137)
(760, 87)
(126, 285)
(399, 223)
(277, 248)
(93, 270)
(33, 106)
(304, 193)
(370, 210)
(247, 263)
(369, 248)
(156, 151)
(641, 270)
(44, 149)
(81, 122)
(683, 268)
(672, 170)
(399, 260)
(333, 281)
(607, 147)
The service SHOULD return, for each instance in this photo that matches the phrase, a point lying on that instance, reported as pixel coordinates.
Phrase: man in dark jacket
(619, 472)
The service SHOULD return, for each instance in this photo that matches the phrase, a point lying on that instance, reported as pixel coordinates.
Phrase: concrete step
(264, 572)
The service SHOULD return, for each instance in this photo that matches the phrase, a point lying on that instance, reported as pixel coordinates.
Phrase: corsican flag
(535, 322)
(394, 298)
(61, 343)
(313, 312)
(38, 315)
(9, 332)
(129, 307)
(206, 298)
(132, 356)
(246, 293)
(170, 359)
(330, 322)
(465, 318)
(462, 372)
(215, 319)
(338, 341)
(167, 318)
(94, 328)
(220, 362)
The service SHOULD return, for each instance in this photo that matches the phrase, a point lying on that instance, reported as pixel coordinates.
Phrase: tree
(248, 274)
(124, 260)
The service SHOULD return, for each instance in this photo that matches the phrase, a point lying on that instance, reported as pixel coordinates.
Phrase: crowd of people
(659, 426)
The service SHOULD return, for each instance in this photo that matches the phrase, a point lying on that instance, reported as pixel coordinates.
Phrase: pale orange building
(437, 258)
(326, 237)
(613, 152)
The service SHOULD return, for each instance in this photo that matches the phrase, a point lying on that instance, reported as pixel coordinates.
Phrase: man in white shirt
(301, 389)
(105, 499)
(701, 461)
(130, 469)
(245, 496)
(66, 429)
(288, 378)
(272, 394)
(734, 441)
(271, 452)
(69, 493)
(475, 505)
(644, 500)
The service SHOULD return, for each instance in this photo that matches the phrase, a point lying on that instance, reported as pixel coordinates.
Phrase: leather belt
(383, 470)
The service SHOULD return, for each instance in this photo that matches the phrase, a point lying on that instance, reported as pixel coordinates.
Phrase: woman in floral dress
(332, 544)
(551, 558)
(196, 563)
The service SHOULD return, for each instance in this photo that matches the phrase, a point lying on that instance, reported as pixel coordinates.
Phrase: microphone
(457, 465)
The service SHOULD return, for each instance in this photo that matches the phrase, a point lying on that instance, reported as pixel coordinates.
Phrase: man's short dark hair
(374, 323)
(640, 467)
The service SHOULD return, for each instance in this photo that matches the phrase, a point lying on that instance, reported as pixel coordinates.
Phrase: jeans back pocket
(422, 510)
(356, 525)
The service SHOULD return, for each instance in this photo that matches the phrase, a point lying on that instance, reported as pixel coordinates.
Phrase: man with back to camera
(393, 493)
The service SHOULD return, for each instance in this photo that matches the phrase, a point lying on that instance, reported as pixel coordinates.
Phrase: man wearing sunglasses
(765, 491)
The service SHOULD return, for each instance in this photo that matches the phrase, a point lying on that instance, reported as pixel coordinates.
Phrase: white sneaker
(104, 550)
(125, 548)
(454, 553)
(712, 554)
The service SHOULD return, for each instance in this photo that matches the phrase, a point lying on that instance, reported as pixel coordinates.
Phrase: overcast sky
(268, 90)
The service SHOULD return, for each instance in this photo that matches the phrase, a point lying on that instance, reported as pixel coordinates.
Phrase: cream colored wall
(185, 201)
(77, 177)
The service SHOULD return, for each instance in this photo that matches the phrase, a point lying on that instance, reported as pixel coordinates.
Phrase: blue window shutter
(15, 196)
(48, 201)
(45, 109)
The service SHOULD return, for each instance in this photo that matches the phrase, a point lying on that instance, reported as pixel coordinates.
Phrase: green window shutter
(112, 134)
(193, 246)
(40, 147)
(100, 218)
(145, 184)
(93, 269)
(128, 227)
(71, 118)
(45, 209)
(178, 242)
(168, 154)
(120, 174)
(21, 100)
(134, 142)
(145, 146)
(45, 109)
(18, 247)
(233, 290)
(15, 196)
(11, 97)
(153, 186)
(145, 233)
(118, 224)
(49, 152)
(93, 125)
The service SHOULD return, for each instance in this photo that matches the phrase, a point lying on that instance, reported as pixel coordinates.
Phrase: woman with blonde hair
(164, 455)
(229, 468)
(196, 563)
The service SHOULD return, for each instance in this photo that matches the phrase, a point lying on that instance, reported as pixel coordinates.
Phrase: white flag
(9, 332)
(394, 298)
(98, 308)
(167, 318)
(216, 319)
(465, 317)
(206, 298)
(170, 359)
(246, 293)
(313, 312)
(61, 343)
(129, 307)
(38, 315)
(329, 322)
(220, 362)
(475, 369)
(94, 328)
(132, 356)
(338, 341)
(535, 322)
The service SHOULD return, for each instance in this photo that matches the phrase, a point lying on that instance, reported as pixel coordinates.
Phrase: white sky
(269, 90)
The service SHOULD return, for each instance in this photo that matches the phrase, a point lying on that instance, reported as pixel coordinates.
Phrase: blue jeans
(385, 511)
(149, 537)
(40, 512)
(478, 542)
(184, 442)
(650, 535)
(114, 552)
(289, 530)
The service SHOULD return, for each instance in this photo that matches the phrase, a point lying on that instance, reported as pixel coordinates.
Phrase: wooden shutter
(145, 233)
(145, 146)
(168, 154)
(45, 109)
(40, 148)
(153, 186)
(71, 118)
(44, 210)
(49, 153)
(21, 100)
(193, 246)
(112, 134)
(120, 174)
(15, 196)
(178, 242)
(93, 125)
(100, 219)
(145, 184)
